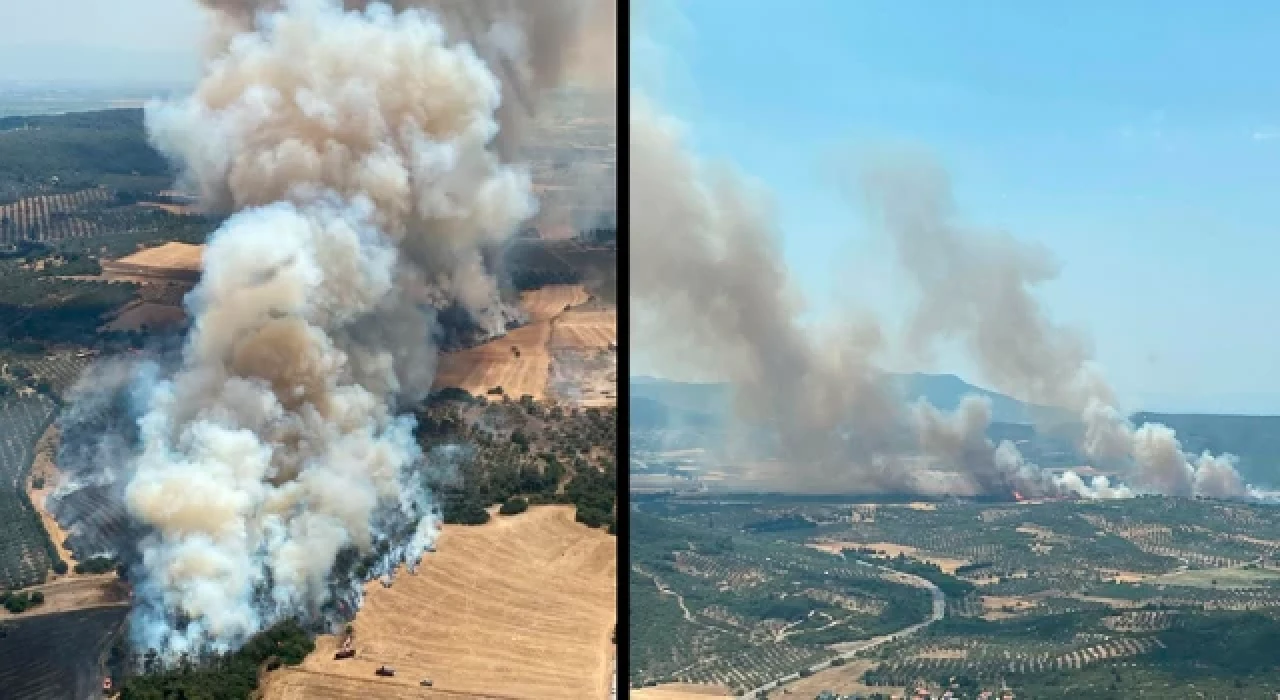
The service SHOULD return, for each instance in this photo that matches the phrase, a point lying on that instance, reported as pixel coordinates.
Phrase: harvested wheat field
(846, 679)
(169, 261)
(522, 607)
(79, 592)
(522, 361)
(550, 301)
(496, 364)
(890, 550)
(585, 329)
(681, 691)
(175, 209)
(1005, 607)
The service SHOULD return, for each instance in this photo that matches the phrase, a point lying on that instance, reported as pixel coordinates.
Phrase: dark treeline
(232, 676)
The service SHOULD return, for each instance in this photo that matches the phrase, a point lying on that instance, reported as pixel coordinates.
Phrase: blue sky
(1139, 143)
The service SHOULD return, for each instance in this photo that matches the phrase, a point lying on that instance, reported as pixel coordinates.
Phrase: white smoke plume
(1098, 488)
(358, 149)
(710, 291)
(978, 288)
(958, 440)
(532, 46)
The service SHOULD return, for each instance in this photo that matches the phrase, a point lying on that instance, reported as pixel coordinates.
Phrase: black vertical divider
(623, 519)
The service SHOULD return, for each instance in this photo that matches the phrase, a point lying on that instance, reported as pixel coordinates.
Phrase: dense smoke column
(532, 46)
(357, 155)
(710, 290)
(711, 293)
(978, 288)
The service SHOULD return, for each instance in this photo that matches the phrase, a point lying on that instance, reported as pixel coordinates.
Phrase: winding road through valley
(851, 649)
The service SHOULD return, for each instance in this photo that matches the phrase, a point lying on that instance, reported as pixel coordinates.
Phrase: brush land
(522, 450)
(1147, 596)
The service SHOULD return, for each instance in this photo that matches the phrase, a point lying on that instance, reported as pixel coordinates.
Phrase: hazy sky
(1140, 143)
(136, 41)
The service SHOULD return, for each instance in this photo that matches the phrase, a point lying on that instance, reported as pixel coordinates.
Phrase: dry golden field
(522, 607)
(551, 327)
(495, 364)
(585, 329)
(681, 691)
(551, 301)
(169, 261)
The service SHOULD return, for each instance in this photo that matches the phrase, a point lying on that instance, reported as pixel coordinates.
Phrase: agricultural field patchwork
(715, 606)
(1098, 597)
(53, 217)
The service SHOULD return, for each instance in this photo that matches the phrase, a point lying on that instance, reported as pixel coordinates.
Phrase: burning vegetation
(365, 156)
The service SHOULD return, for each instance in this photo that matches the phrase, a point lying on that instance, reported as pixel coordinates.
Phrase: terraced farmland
(996, 662)
(24, 546)
(22, 421)
(52, 217)
(1060, 600)
(25, 549)
(727, 609)
(62, 370)
(751, 668)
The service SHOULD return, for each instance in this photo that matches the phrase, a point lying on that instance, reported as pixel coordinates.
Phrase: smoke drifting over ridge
(710, 289)
(978, 287)
(358, 151)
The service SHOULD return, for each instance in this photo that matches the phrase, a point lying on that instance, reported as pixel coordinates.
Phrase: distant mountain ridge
(1254, 440)
(943, 391)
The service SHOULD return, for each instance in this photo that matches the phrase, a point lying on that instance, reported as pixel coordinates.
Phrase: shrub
(592, 517)
(514, 506)
(17, 602)
(96, 565)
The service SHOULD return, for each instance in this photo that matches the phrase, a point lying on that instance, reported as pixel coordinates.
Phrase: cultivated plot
(521, 607)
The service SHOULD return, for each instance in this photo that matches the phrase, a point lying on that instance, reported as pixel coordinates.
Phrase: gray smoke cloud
(711, 292)
(358, 150)
(532, 46)
(978, 288)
